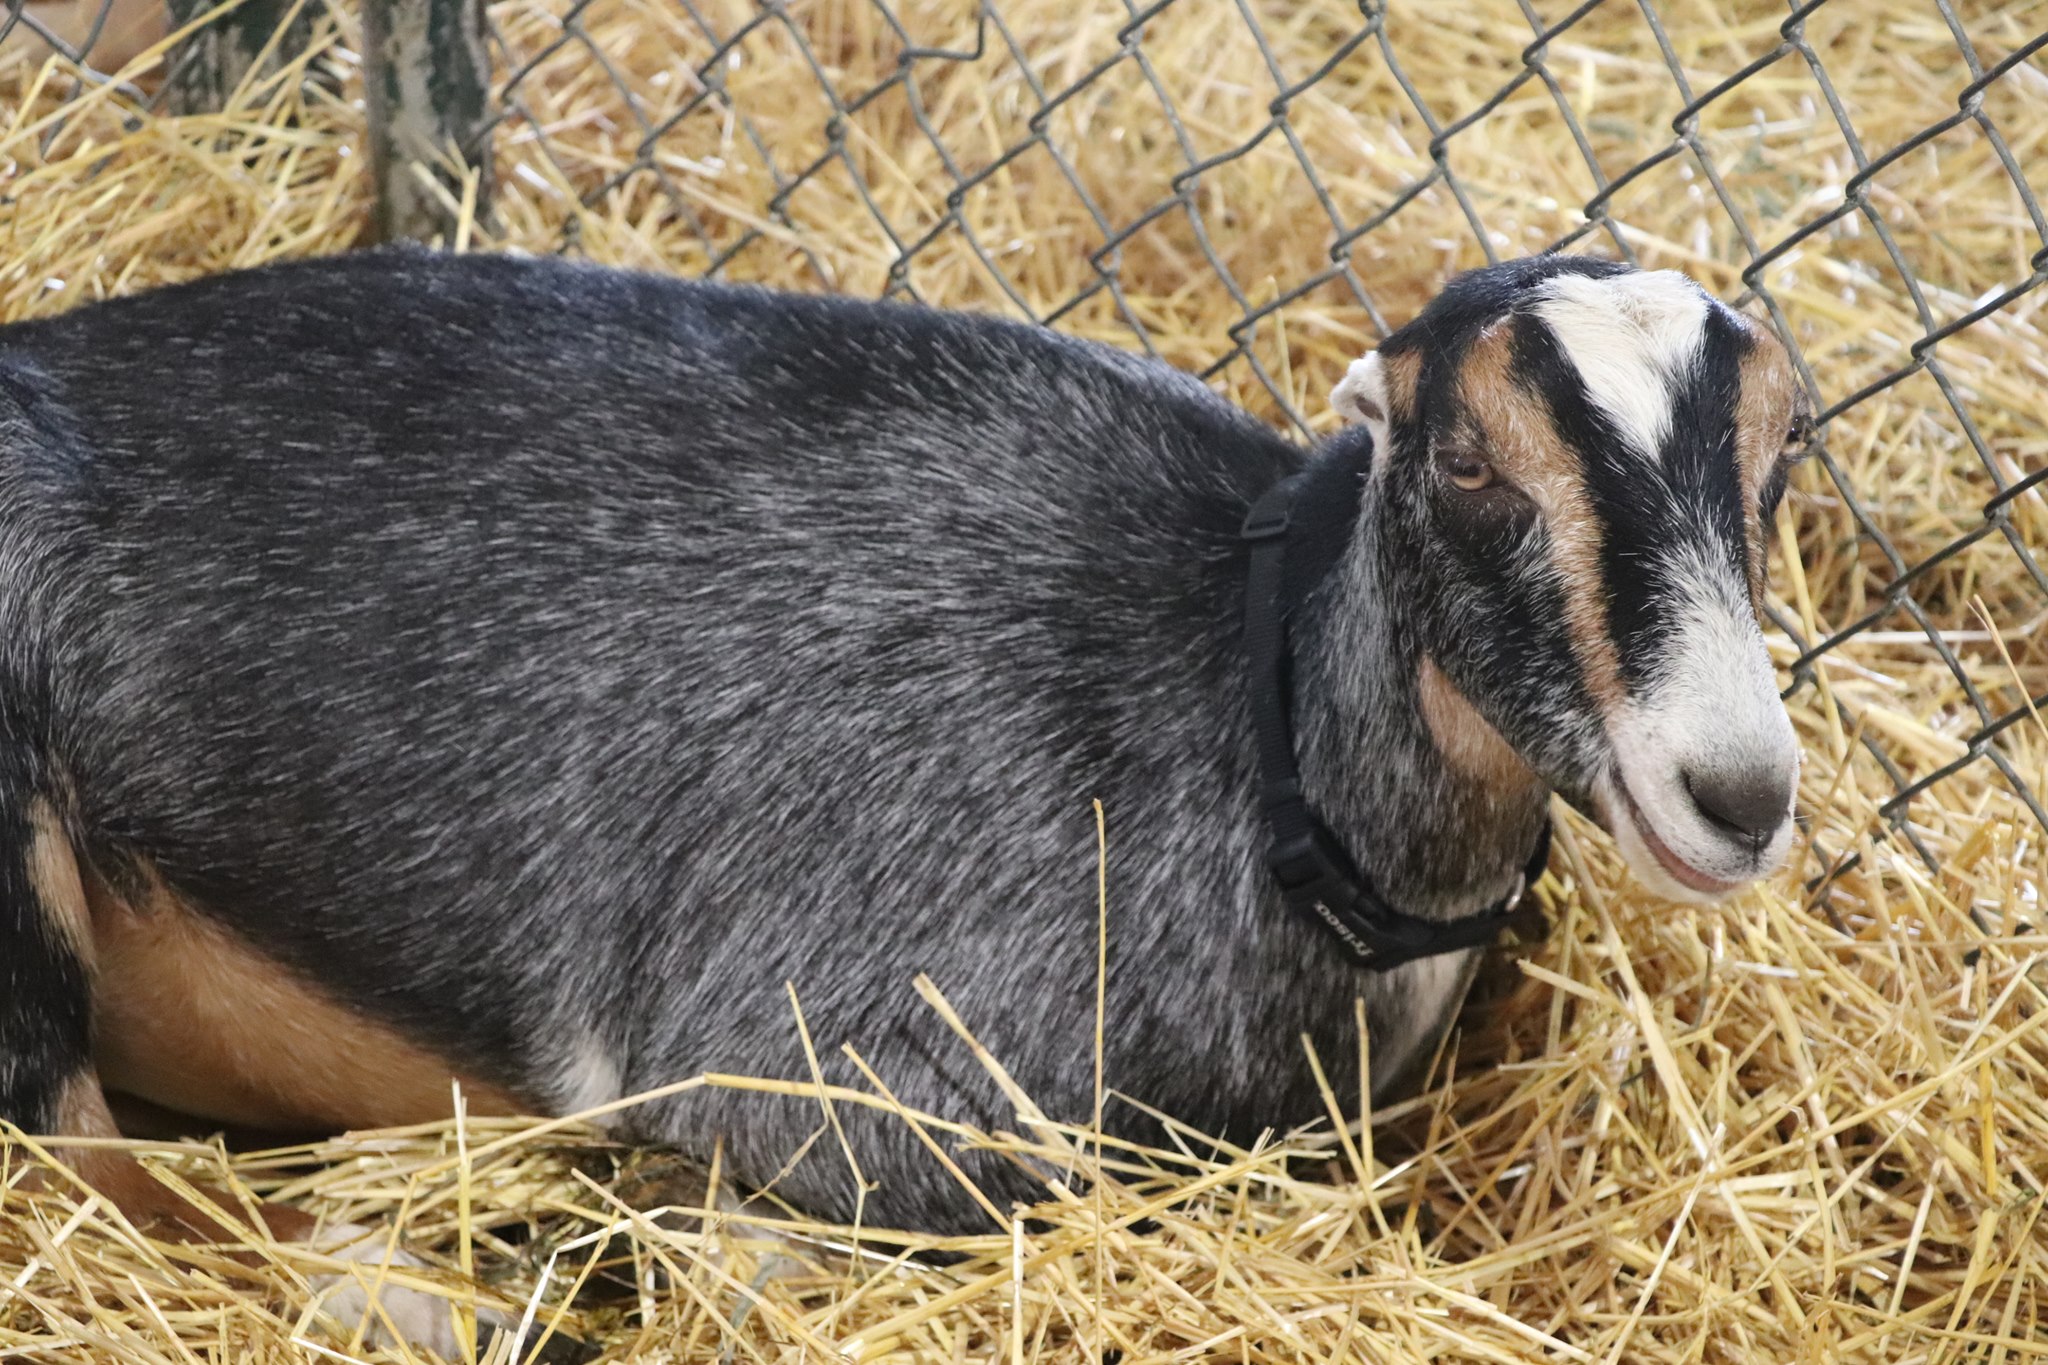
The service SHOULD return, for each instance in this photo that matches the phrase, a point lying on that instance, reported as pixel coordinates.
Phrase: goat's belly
(187, 1016)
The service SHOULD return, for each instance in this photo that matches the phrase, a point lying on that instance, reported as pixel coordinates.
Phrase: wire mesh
(1917, 591)
(208, 48)
(95, 39)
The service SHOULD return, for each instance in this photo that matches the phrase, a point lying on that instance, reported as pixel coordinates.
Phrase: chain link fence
(1111, 139)
(989, 44)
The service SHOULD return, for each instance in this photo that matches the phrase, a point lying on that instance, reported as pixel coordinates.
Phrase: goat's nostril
(1747, 804)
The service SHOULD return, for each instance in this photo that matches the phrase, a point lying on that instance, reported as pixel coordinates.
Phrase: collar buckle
(1271, 516)
(1299, 865)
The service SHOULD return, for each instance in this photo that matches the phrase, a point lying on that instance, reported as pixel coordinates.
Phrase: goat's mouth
(1680, 871)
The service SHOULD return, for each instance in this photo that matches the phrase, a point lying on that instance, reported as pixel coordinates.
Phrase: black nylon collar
(1317, 878)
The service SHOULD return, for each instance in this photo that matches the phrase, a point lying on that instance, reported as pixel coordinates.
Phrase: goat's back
(553, 662)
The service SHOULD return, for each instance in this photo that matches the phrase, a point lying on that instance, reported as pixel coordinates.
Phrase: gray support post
(427, 78)
(212, 62)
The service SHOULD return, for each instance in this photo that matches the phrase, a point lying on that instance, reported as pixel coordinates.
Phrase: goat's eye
(1475, 506)
(1797, 437)
(1466, 470)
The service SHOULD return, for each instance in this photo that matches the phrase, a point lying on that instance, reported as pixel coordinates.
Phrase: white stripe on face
(1711, 713)
(1632, 338)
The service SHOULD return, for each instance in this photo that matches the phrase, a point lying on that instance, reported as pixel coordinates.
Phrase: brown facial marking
(1468, 743)
(1519, 437)
(187, 1016)
(1763, 412)
(1402, 372)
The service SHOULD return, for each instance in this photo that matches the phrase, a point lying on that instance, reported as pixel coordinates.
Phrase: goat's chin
(1654, 864)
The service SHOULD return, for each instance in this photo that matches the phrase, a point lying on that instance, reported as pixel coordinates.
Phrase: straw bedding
(1801, 1128)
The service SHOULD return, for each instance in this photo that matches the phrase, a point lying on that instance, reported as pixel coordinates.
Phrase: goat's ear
(1361, 396)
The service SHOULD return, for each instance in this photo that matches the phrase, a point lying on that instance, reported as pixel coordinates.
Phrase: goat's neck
(1439, 817)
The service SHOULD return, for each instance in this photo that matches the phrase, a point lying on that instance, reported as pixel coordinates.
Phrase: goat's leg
(47, 1081)
(48, 1084)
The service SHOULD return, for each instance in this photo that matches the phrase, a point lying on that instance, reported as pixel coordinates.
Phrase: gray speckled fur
(554, 663)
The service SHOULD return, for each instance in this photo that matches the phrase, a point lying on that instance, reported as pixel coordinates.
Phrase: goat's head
(1578, 464)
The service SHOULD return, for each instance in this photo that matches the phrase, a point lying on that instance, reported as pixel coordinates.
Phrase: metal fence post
(427, 78)
(213, 62)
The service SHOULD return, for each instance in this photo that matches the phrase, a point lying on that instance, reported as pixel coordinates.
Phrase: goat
(516, 671)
